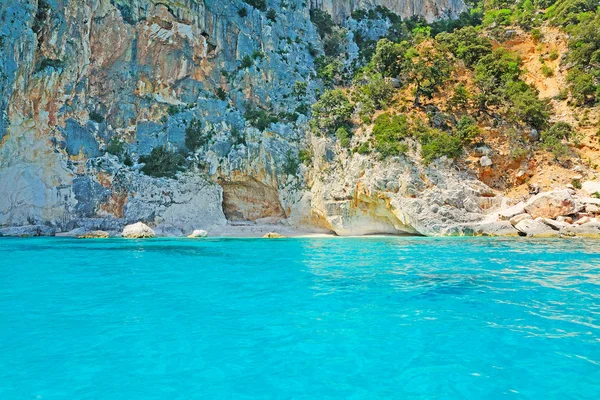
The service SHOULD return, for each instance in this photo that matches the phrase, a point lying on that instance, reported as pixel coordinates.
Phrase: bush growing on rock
(291, 164)
(388, 59)
(322, 21)
(195, 137)
(331, 112)
(466, 44)
(161, 162)
(305, 156)
(343, 136)
(246, 62)
(435, 144)
(389, 132)
(116, 147)
(552, 139)
(467, 129)
(258, 4)
(96, 117)
(377, 89)
(260, 119)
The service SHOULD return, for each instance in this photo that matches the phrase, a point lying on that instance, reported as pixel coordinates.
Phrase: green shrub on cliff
(553, 139)
(195, 136)
(162, 163)
(259, 118)
(467, 129)
(389, 132)
(436, 143)
(258, 4)
(331, 112)
(322, 21)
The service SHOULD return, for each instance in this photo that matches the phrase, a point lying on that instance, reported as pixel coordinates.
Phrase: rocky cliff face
(77, 77)
(431, 10)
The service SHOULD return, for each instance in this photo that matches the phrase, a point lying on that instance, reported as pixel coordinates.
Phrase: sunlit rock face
(430, 9)
(79, 77)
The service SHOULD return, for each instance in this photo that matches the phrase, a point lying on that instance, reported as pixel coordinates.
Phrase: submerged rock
(138, 230)
(198, 233)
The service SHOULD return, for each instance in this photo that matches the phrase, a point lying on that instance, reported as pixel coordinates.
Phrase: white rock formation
(198, 233)
(138, 230)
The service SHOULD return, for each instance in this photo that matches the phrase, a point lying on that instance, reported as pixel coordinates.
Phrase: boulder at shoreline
(138, 230)
(198, 233)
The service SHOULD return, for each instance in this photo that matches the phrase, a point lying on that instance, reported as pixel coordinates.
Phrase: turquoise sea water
(319, 318)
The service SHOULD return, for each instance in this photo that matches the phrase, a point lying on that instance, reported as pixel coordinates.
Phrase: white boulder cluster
(559, 213)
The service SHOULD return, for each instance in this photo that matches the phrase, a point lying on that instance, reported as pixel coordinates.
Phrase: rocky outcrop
(89, 78)
(551, 204)
(138, 230)
(357, 195)
(531, 227)
(28, 230)
(591, 187)
(590, 229)
(93, 235)
(273, 235)
(430, 9)
(198, 233)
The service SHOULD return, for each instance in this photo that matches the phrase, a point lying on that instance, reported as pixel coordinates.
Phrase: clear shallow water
(299, 318)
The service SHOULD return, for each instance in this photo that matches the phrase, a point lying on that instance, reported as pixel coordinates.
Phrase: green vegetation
(305, 156)
(259, 118)
(331, 112)
(96, 117)
(50, 63)
(322, 21)
(162, 162)
(195, 136)
(258, 4)
(246, 62)
(299, 90)
(462, 66)
(554, 137)
(435, 144)
(221, 94)
(467, 129)
(271, 15)
(242, 12)
(291, 164)
(116, 147)
(547, 71)
(389, 132)
(173, 109)
(343, 137)
(427, 69)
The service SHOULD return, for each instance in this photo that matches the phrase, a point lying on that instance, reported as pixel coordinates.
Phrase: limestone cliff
(79, 76)
(431, 10)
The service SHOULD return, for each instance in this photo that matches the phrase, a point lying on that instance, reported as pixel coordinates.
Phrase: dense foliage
(423, 59)
(162, 163)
